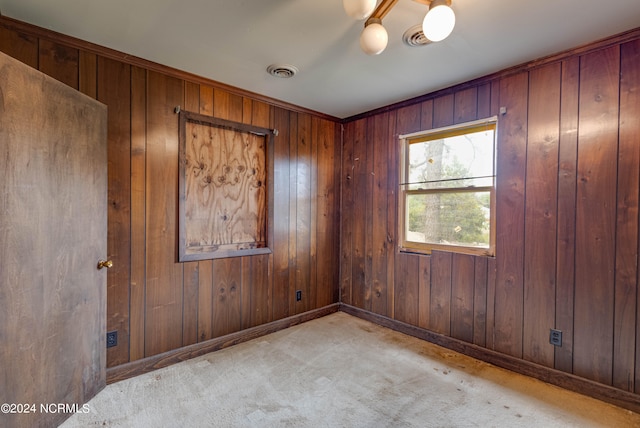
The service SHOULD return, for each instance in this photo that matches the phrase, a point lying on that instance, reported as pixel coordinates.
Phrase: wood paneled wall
(568, 184)
(568, 166)
(155, 303)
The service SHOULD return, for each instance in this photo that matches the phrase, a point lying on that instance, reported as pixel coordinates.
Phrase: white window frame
(406, 245)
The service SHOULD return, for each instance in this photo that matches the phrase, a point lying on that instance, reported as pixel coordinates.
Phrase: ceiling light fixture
(436, 26)
(439, 21)
(374, 37)
(359, 9)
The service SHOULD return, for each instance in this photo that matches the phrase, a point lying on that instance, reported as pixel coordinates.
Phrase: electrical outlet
(112, 339)
(555, 337)
(298, 295)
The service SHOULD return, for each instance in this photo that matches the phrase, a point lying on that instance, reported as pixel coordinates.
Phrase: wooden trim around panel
(24, 27)
(564, 380)
(149, 364)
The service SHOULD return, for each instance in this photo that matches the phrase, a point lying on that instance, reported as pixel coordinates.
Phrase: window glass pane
(454, 218)
(452, 161)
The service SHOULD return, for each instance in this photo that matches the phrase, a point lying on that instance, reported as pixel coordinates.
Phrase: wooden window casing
(456, 187)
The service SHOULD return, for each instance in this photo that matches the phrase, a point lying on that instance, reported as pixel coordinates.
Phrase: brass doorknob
(105, 264)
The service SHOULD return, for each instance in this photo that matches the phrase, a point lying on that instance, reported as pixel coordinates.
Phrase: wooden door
(53, 231)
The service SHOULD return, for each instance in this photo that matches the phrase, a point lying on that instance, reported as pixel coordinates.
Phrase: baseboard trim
(609, 394)
(149, 364)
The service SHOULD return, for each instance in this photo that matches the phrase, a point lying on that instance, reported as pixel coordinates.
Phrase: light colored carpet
(341, 371)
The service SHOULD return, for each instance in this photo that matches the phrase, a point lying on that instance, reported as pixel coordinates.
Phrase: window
(447, 189)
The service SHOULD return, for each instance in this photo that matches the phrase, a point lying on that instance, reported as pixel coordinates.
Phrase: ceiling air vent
(283, 71)
(414, 37)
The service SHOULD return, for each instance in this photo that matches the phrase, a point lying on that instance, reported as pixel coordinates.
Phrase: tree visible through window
(447, 189)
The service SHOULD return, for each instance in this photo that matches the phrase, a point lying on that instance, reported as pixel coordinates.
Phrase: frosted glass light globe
(359, 9)
(374, 39)
(439, 22)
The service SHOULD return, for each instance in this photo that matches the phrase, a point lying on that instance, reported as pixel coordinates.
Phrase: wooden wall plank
(163, 326)
(205, 267)
(347, 218)
(512, 149)
(484, 101)
(205, 300)
(371, 140)
(540, 213)
(441, 275)
(410, 119)
(281, 187)
(466, 105)
(312, 298)
(461, 296)
(325, 226)
(424, 292)
(260, 308)
(337, 210)
(407, 280)
(227, 316)
(492, 265)
(23, 47)
(492, 268)
(379, 206)
(191, 281)
(87, 74)
(191, 270)
(626, 276)
(114, 89)
(595, 215)
(426, 116)
(480, 301)
(393, 147)
(567, 164)
(59, 61)
(138, 213)
(359, 295)
(303, 213)
(629, 131)
(443, 111)
(293, 212)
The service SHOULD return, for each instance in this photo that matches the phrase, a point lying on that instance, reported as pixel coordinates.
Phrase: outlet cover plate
(112, 339)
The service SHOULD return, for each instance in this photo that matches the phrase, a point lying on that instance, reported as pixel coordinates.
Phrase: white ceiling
(233, 41)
